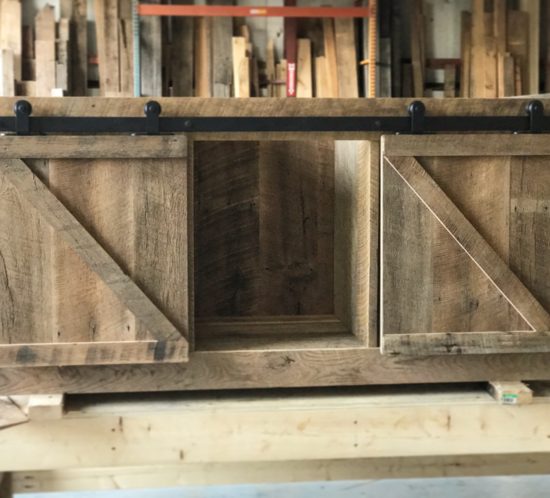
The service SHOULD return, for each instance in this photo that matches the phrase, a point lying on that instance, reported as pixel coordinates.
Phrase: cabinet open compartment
(283, 242)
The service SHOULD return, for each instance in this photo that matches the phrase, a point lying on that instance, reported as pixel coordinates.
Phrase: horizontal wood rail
(244, 11)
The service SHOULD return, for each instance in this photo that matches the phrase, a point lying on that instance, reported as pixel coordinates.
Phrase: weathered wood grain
(480, 145)
(304, 81)
(25, 285)
(226, 228)
(346, 58)
(92, 353)
(45, 51)
(530, 224)
(465, 300)
(406, 275)
(471, 241)
(97, 106)
(330, 58)
(80, 240)
(296, 223)
(466, 343)
(151, 54)
(238, 369)
(10, 32)
(86, 147)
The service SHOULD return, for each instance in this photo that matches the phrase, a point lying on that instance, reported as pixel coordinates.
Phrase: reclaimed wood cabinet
(230, 260)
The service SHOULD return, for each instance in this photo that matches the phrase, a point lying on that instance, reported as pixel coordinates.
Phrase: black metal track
(415, 121)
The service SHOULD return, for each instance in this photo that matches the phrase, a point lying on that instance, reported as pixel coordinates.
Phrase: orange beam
(243, 11)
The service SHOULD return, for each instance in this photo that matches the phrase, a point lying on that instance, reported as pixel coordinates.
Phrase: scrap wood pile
(180, 56)
(497, 49)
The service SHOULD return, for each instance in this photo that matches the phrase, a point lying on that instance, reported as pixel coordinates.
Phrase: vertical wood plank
(417, 48)
(241, 67)
(321, 77)
(25, 288)
(182, 60)
(330, 57)
(203, 57)
(270, 68)
(406, 305)
(499, 29)
(100, 195)
(532, 8)
(45, 51)
(346, 58)
(477, 72)
(222, 31)
(464, 299)
(161, 255)
(226, 228)
(151, 55)
(79, 48)
(518, 46)
(10, 32)
(7, 83)
(530, 225)
(304, 71)
(465, 50)
(107, 24)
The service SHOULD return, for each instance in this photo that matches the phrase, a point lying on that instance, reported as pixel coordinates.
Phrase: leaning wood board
(93, 250)
(243, 237)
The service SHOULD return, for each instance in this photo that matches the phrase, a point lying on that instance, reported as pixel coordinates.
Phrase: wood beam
(223, 429)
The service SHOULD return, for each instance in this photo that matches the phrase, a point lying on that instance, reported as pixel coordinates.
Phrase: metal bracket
(152, 113)
(535, 110)
(417, 113)
(22, 110)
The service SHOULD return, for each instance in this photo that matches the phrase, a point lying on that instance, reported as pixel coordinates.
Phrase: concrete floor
(470, 487)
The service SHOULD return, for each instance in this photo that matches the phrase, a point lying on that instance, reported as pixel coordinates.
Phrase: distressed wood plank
(45, 51)
(464, 299)
(222, 72)
(182, 51)
(88, 147)
(480, 145)
(530, 224)
(10, 32)
(346, 58)
(241, 68)
(471, 241)
(304, 71)
(203, 57)
(66, 226)
(107, 24)
(330, 58)
(93, 353)
(151, 54)
(7, 83)
(226, 195)
(466, 343)
(282, 367)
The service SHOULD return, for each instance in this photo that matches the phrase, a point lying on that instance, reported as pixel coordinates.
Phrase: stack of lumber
(227, 63)
(10, 45)
(499, 51)
(47, 59)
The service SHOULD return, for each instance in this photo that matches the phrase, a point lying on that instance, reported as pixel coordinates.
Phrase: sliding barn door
(93, 250)
(465, 244)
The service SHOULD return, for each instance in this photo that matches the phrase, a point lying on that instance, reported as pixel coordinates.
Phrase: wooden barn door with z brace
(465, 244)
(93, 250)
